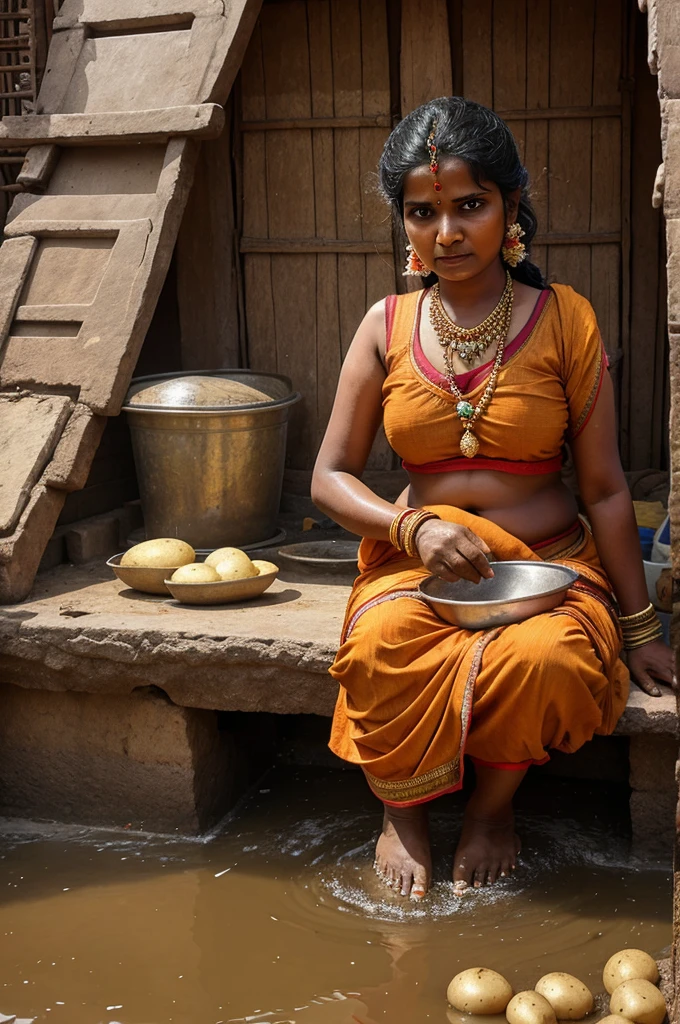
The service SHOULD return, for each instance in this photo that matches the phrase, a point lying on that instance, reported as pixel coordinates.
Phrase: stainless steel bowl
(517, 591)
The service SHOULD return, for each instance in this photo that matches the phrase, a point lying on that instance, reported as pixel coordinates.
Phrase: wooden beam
(574, 238)
(381, 121)
(559, 113)
(312, 245)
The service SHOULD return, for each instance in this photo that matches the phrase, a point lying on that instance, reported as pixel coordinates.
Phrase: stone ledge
(84, 631)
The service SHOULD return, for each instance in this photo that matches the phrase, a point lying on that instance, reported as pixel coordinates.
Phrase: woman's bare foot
(402, 856)
(488, 846)
(487, 849)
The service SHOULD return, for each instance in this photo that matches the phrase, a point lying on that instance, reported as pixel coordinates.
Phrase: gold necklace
(470, 342)
(467, 413)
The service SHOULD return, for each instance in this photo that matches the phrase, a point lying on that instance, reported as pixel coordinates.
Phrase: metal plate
(324, 555)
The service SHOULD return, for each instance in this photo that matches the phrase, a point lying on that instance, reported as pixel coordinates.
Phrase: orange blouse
(545, 393)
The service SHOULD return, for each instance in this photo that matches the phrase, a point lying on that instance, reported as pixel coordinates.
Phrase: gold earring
(414, 265)
(513, 251)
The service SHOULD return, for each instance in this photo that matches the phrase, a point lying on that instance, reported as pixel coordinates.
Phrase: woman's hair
(473, 133)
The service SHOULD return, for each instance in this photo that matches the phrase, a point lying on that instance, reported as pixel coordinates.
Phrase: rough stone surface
(112, 760)
(21, 551)
(205, 121)
(30, 426)
(653, 820)
(652, 763)
(97, 537)
(38, 166)
(68, 468)
(15, 262)
(83, 630)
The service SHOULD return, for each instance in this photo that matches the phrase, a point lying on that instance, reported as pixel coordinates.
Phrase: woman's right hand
(453, 552)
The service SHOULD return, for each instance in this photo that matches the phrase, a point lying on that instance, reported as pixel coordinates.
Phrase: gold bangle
(413, 524)
(395, 527)
(647, 614)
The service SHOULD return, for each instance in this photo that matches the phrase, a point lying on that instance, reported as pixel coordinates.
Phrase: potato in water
(638, 1000)
(164, 552)
(530, 1008)
(628, 964)
(569, 997)
(479, 990)
(197, 572)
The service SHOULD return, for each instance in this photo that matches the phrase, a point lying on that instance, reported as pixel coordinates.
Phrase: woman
(481, 378)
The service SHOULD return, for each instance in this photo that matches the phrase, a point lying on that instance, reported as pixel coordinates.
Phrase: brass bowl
(222, 592)
(517, 591)
(147, 578)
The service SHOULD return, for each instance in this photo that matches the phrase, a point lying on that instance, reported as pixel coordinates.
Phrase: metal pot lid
(202, 391)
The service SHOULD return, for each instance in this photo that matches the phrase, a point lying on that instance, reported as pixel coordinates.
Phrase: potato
(264, 568)
(235, 566)
(479, 990)
(569, 997)
(197, 572)
(162, 553)
(638, 1000)
(614, 1018)
(626, 965)
(530, 1008)
(217, 556)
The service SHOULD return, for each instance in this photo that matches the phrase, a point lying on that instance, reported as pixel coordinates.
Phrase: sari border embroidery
(592, 397)
(447, 777)
(391, 595)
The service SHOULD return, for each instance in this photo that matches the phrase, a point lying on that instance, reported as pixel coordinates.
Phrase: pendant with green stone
(465, 410)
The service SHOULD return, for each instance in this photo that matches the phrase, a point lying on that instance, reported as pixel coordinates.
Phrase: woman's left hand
(651, 662)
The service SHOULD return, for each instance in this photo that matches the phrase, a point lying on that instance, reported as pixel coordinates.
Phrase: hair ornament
(432, 155)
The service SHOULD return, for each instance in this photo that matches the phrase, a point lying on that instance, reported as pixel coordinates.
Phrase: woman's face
(457, 232)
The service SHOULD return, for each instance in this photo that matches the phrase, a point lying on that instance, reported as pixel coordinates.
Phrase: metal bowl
(148, 579)
(517, 591)
(222, 592)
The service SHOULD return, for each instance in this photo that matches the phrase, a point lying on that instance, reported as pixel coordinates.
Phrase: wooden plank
(571, 52)
(321, 71)
(510, 55)
(643, 401)
(206, 256)
(380, 281)
(606, 293)
(328, 352)
(375, 61)
(610, 20)
(379, 121)
(346, 48)
(351, 297)
(259, 307)
(375, 215)
(425, 52)
(257, 297)
(536, 156)
(293, 290)
(570, 265)
(558, 113)
(477, 61)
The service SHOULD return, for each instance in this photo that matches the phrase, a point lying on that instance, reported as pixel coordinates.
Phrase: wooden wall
(318, 87)
(317, 241)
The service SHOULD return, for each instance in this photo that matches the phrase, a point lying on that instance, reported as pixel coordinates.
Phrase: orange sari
(417, 693)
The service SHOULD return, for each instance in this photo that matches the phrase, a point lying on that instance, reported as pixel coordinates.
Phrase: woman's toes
(479, 877)
(406, 883)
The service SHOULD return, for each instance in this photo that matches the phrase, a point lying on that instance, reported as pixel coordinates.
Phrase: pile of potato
(630, 977)
(222, 564)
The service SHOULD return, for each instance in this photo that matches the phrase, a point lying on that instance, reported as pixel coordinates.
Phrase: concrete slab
(82, 630)
(30, 427)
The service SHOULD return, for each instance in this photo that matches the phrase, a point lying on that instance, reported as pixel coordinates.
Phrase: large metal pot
(209, 449)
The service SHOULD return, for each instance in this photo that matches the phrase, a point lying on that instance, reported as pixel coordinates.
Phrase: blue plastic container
(646, 534)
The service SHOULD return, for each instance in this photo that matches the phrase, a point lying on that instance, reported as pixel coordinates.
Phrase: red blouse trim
(390, 309)
(467, 382)
(553, 465)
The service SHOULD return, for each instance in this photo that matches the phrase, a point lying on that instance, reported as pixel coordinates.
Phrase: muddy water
(279, 918)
